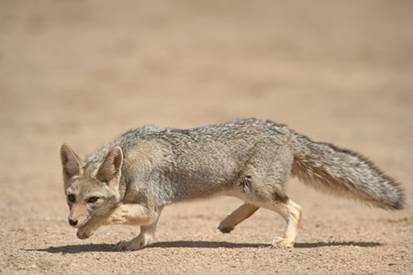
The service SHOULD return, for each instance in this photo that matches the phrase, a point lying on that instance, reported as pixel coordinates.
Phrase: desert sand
(85, 71)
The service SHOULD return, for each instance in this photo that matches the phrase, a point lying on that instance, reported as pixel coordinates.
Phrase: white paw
(282, 243)
(137, 243)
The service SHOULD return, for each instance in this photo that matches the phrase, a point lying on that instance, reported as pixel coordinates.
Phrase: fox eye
(92, 199)
(71, 198)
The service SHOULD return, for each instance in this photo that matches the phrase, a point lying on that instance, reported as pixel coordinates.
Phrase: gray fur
(248, 158)
(131, 179)
(343, 172)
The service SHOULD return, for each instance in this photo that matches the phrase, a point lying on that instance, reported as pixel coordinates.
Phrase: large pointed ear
(111, 166)
(72, 165)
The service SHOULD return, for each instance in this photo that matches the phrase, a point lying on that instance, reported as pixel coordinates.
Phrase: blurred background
(84, 71)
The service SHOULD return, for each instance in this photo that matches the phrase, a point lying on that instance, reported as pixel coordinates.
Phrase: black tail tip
(400, 205)
(397, 205)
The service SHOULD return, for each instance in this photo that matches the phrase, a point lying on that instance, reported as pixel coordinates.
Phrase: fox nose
(72, 222)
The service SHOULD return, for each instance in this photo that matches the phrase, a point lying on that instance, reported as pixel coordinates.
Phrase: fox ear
(72, 165)
(111, 166)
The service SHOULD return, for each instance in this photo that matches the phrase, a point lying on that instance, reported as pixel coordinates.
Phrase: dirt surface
(85, 71)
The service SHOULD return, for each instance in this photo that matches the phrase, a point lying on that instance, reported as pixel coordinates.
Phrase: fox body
(131, 179)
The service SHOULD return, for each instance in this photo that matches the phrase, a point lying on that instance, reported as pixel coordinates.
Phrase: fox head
(90, 195)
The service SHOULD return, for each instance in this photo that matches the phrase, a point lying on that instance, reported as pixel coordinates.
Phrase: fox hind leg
(262, 184)
(237, 216)
(292, 213)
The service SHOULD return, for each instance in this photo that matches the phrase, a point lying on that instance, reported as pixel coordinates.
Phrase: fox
(131, 179)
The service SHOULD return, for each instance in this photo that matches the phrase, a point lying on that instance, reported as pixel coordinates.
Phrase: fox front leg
(89, 228)
(146, 236)
(133, 214)
(136, 214)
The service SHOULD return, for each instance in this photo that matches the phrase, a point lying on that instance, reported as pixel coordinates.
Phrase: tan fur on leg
(133, 214)
(89, 228)
(292, 213)
(240, 214)
(146, 236)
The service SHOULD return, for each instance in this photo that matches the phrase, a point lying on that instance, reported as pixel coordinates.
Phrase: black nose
(72, 222)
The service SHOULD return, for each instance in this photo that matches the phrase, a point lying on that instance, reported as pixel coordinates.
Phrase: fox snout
(76, 222)
(73, 222)
(79, 215)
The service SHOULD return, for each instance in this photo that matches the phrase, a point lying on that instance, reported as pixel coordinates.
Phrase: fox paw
(224, 228)
(135, 244)
(282, 243)
(83, 233)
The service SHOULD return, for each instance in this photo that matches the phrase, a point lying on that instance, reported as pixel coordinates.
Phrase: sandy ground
(84, 71)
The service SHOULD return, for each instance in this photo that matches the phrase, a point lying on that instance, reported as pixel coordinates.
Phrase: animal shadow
(84, 248)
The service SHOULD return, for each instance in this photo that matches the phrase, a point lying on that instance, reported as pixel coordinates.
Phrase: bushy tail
(343, 172)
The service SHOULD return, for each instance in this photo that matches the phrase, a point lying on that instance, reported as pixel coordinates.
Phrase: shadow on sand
(82, 248)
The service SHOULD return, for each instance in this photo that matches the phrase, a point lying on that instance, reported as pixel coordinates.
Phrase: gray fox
(131, 179)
